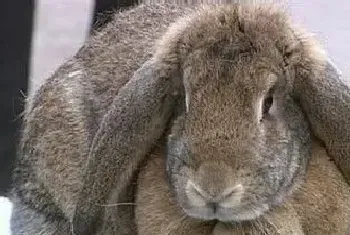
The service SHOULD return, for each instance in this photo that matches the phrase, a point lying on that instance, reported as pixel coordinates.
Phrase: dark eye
(267, 104)
(268, 101)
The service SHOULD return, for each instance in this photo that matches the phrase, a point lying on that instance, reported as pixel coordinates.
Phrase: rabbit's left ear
(325, 99)
(136, 120)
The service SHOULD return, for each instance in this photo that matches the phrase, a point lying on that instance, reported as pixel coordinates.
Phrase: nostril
(226, 198)
(196, 189)
(232, 196)
(232, 191)
(196, 195)
(199, 191)
(213, 205)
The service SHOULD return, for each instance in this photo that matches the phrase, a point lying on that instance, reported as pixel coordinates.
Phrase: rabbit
(241, 145)
(91, 125)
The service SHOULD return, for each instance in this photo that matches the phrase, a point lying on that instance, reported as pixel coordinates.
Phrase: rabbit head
(239, 142)
(237, 83)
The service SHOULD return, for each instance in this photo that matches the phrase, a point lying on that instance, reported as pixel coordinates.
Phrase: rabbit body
(63, 116)
(220, 89)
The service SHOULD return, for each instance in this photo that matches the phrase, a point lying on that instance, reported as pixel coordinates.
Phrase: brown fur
(329, 118)
(91, 124)
(321, 205)
(219, 128)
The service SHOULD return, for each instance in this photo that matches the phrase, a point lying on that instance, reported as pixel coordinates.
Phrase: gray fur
(326, 101)
(82, 125)
(91, 124)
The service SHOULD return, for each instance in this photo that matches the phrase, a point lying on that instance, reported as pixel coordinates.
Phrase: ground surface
(61, 26)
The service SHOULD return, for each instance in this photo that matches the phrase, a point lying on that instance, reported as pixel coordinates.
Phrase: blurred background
(61, 26)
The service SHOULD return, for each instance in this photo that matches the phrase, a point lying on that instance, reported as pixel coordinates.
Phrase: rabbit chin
(238, 214)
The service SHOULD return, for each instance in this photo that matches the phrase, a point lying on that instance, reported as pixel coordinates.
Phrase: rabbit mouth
(224, 214)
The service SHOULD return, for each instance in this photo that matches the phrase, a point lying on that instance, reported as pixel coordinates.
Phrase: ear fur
(325, 99)
(136, 120)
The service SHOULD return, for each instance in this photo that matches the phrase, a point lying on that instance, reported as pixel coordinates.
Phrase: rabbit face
(239, 148)
(241, 143)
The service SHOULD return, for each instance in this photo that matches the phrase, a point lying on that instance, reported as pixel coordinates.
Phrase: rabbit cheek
(177, 163)
(288, 152)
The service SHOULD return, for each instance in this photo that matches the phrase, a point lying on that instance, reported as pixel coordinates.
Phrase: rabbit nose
(228, 197)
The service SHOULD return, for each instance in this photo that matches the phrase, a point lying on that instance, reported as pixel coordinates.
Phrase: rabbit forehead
(245, 25)
(251, 70)
(233, 53)
(228, 102)
(214, 87)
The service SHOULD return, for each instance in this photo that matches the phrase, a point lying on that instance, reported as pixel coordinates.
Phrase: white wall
(329, 20)
(60, 29)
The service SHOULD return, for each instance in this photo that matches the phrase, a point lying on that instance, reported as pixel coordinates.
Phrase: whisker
(71, 228)
(174, 225)
(119, 204)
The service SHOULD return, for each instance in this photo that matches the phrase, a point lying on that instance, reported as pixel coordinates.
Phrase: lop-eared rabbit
(234, 94)
(239, 158)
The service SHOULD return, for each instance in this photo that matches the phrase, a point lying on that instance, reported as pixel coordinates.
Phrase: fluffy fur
(313, 209)
(70, 163)
(227, 158)
(91, 124)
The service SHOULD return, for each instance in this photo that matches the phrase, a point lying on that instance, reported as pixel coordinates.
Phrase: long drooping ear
(136, 120)
(325, 99)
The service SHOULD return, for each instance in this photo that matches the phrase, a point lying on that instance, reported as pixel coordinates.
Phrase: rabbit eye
(266, 108)
(267, 103)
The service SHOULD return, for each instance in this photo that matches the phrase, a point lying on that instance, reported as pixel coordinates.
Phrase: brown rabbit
(240, 150)
(90, 125)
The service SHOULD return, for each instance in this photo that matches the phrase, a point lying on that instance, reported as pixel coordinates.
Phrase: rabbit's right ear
(325, 99)
(136, 120)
